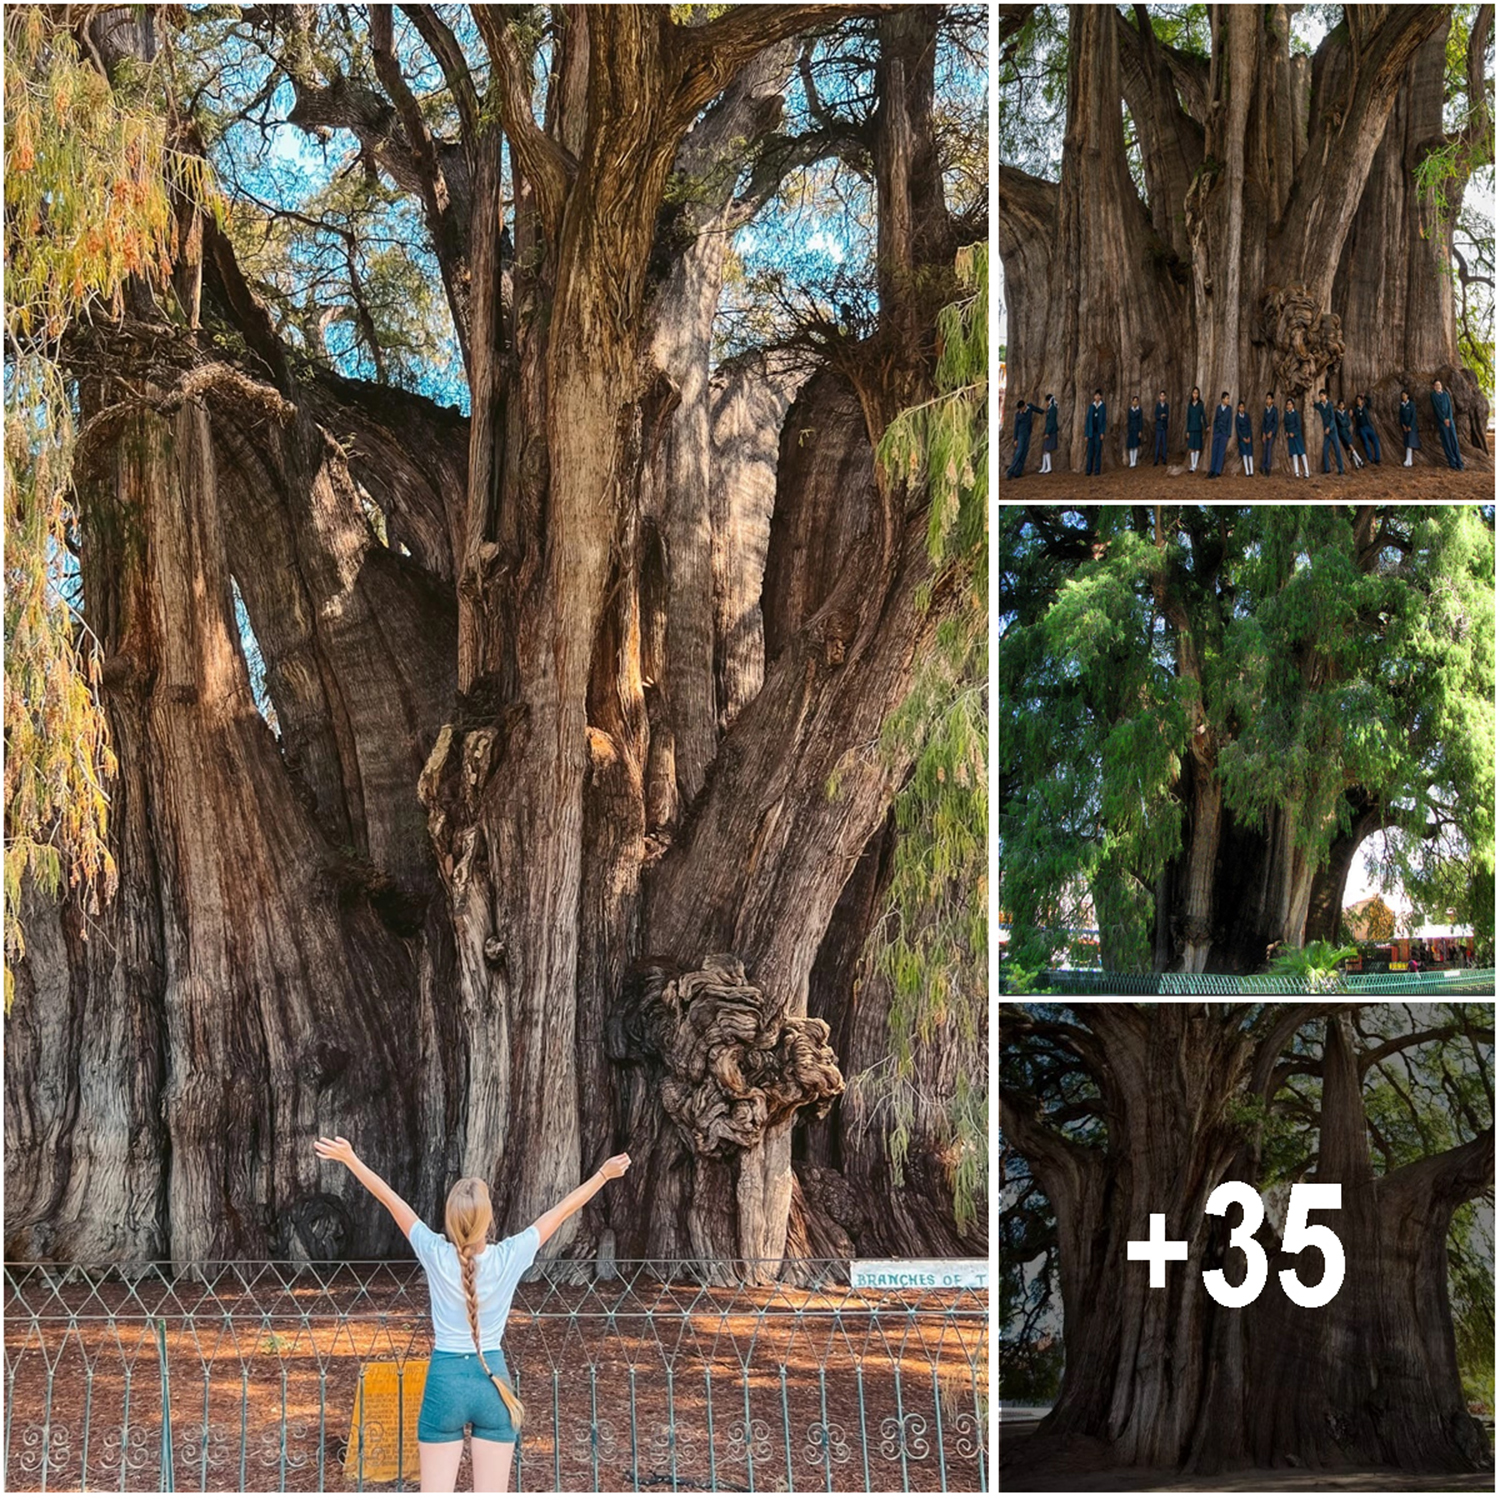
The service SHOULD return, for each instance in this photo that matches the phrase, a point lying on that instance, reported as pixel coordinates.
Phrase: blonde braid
(471, 1300)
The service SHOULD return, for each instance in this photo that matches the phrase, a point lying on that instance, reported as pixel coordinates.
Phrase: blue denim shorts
(458, 1392)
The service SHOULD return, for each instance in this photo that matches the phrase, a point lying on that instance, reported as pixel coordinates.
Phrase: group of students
(1341, 427)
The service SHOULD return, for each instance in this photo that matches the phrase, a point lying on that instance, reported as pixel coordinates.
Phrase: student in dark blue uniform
(1324, 408)
(1268, 425)
(1343, 425)
(1243, 435)
(1410, 437)
(1195, 424)
(1024, 413)
(1223, 421)
(1163, 415)
(1364, 429)
(1049, 435)
(1291, 423)
(1442, 409)
(1135, 419)
(1094, 422)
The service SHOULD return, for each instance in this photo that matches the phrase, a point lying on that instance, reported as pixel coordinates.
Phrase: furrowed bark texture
(596, 703)
(1284, 243)
(1169, 1378)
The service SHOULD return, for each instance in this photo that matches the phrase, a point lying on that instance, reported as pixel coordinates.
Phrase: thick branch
(542, 160)
(1450, 1177)
(1347, 132)
(1027, 209)
(1266, 1054)
(1372, 1055)
(706, 58)
(1175, 138)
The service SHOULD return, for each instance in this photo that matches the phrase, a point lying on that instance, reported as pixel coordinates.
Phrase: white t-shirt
(497, 1270)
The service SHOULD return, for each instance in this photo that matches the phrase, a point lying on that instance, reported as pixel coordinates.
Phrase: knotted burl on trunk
(1305, 342)
(731, 1064)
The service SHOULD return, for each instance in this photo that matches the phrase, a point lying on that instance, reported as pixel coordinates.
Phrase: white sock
(1407, 464)
(1194, 456)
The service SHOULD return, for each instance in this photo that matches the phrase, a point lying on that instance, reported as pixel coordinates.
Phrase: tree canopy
(1197, 701)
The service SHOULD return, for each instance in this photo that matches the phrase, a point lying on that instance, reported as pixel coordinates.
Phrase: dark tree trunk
(1394, 280)
(1171, 1379)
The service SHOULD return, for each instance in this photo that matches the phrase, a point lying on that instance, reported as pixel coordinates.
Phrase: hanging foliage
(90, 179)
(932, 946)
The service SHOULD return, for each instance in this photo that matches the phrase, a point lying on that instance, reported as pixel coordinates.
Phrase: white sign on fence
(919, 1275)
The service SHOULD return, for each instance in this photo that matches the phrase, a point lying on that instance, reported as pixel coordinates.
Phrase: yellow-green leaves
(89, 179)
(932, 949)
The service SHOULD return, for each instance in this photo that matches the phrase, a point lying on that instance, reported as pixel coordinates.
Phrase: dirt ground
(1078, 1469)
(1386, 481)
(686, 1388)
(1275, 1481)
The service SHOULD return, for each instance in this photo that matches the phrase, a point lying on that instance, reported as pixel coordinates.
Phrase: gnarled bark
(1169, 1378)
(1282, 233)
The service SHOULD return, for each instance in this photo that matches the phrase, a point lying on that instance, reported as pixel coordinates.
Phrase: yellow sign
(383, 1431)
(1400, 966)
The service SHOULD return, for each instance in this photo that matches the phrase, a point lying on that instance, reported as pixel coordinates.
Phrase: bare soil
(1385, 481)
(1079, 1466)
(675, 1388)
(1275, 1481)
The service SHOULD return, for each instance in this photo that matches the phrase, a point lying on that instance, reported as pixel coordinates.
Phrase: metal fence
(1101, 982)
(240, 1375)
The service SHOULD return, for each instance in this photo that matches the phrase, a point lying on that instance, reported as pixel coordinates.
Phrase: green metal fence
(242, 1376)
(1100, 982)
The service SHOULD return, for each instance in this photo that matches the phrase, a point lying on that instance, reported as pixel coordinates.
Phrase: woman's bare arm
(336, 1148)
(551, 1221)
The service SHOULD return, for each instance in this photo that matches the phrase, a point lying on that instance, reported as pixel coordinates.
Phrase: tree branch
(1448, 1178)
(1372, 1055)
(1317, 219)
(444, 46)
(541, 159)
(706, 58)
(1263, 1063)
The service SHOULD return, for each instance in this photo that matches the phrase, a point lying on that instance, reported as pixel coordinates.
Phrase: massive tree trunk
(1283, 226)
(1169, 1378)
(1394, 276)
(587, 708)
(251, 970)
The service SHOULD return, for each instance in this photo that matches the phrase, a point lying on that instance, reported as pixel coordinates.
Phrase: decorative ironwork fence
(240, 1375)
(1101, 982)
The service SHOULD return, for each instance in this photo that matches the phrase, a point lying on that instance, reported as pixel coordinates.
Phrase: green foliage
(1471, 1294)
(1032, 84)
(1314, 673)
(1184, 27)
(1317, 963)
(933, 947)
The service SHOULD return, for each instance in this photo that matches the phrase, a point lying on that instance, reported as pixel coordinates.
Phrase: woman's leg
(491, 1466)
(439, 1463)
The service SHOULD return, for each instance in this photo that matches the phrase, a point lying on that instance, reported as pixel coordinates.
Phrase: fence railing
(244, 1376)
(1102, 982)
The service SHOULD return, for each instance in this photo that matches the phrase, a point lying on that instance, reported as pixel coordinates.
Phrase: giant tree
(476, 790)
(1230, 212)
(1204, 712)
(1123, 1111)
